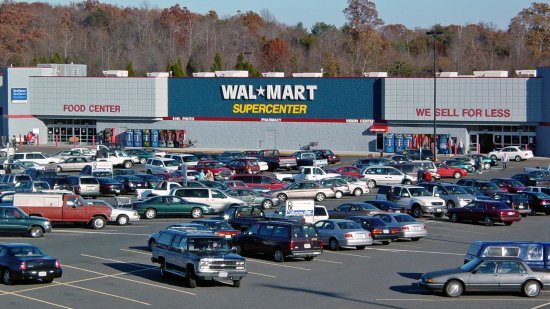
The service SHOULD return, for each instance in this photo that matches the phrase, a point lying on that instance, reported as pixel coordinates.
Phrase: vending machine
(129, 138)
(408, 141)
(399, 143)
(146, 138)
(389, 143)
(162, 138)
(154, 137)
(137, 138)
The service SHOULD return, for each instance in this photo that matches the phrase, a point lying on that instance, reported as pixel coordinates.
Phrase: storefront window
(515, 140)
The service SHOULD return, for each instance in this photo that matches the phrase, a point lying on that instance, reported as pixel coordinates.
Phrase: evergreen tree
(130, 69)
(217, 65)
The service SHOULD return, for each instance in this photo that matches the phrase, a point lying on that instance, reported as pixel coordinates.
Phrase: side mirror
(233, 249)
(405, 195)
(179, 250)
(474, 271)
(437, 194)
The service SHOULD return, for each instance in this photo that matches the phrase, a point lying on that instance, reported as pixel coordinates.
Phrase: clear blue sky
(411, 13)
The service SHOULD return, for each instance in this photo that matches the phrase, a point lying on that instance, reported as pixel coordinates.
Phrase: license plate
(438, 210)
(227, 236)
(398, 211)
(42, 274)
(415, 228)
(510, 213)
(222, 274)
(386, 231)
(307, 246)
(361, 235)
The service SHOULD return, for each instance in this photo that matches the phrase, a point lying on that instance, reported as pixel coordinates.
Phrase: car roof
(16, 245)
(193, 233)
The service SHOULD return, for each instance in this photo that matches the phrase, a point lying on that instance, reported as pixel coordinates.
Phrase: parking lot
(112, 268)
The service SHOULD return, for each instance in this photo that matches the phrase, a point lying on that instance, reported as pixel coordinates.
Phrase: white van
(301, 210)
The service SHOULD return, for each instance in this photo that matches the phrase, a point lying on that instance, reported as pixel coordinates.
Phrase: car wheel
(319, 197)
(524, 215)
(360, 247)
(407, 182)
(457, 175)
(36, 232)
(278, 255)
(371, 183)
(454, 218)
(282, 197)
(98, 223)
(191, 278)
(237, 283)
(128, 164)
(386, 242)
(309, 258)
(338, 194)
(453, 288)
(487, 166)
(416, 212)
(531, 288)
(488, 221)
(122, 220)
(508, 223)
(450, 204)
(470, 169)
(163, 272)
(357, 192)
(334, 245)
(6, 277)
(239, 250)
(267, 204)
(415, 238)
(196, 213)
(493, 157)
(58, 169)
(143, 160)
(150, 213)
(517, 158)
(439, 214)
(149, 172)
(3, 154)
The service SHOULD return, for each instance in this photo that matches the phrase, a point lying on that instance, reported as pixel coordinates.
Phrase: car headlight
(47, 223)
(423, 203)
(240, 265)
(204, 265)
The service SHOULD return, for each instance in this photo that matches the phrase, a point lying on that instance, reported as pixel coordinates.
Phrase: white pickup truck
(163, 188)
(306, 173)
(300, 210)
(118, 158)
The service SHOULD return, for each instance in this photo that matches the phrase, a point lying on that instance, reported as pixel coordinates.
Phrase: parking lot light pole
(433, 34)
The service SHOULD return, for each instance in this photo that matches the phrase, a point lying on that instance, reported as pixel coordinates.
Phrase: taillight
(78, 188)
(543, 202)
(395, 230)
(57, 264)
(348, 235)
(377, 231)
(291, 245)
(390, 210)
(404, 228)
(369, 234)
(23, 266)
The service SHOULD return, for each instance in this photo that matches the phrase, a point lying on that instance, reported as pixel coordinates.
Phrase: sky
(411, 13)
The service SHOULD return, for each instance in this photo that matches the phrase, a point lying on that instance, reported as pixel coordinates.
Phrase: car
(109, 186)
(235, 184)
(32, 186)
(537, 201)
(409, 227)
(130, 183)
(486, 211)
(448, 171)
(184, 227)
(71, 164)
(371, 161)
(486, 161)
(219, 227)
(535, 253)
(84, 185)
(151, 180)
(217, 168)
(27, 262)
(118, 214)
(170, 205)
(416, 199)
(260, 182)
(387, 206)
(214, 184)
(252, 197)
(330, 156)
(514, 201)
(380, 230)
(343, 187)
(141, 155)
(476, 193)
(217, 199)
(509, 184)
(159, 153)
(16, 221)
(353, 209)
(337, 233)
(37, 157)
(349, 170)
(386, 175)
(358, 181)
(160, 165)
(537, 189)
(487, 275)
(228, 156)
(487, 187)
(533, 179)
(279, 240)
(399, 158)
(460, 164)
(244, 166)
(415, 154)
(466, 159)
(516, 153)
(303, 190)
(453, 195)
(58, 182)
(183, 158)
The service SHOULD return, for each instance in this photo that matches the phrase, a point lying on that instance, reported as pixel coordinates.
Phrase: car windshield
(367, 207)
(404, 218)
(419, 192)
(488, 186)
(470, 265)
(349, 225)
(541, 195)
(26, 251)
(455, 190)
(208, 246)
(170, 163)
(213, 164)
(500, 206)
(515, 183)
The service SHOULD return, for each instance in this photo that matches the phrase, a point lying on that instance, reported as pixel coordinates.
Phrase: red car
(331, 157)
(484, 211)
(509, 184)
(260, 182)
(445, 170)
(217, 168)
(244, 166)
(347, 170)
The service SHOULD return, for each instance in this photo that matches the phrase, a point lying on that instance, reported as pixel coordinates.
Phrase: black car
(331, 157)
(58, 182)
(352, 209)
(534, 179)
(151, 180)
(125, 172)
(27, 262)
(515, 201)
(130, 183)
(487, 187)
(229, 156)
(415, 154)
(538, 202)
(35, 174)
(380, 230)
(388, 206)
(280, 240)
(109, 186)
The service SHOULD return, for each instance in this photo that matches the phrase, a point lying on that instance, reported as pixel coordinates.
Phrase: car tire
(371, 183)
(523, 215)
(357, 192)
(151, 243)
(150, 213)
(453, 288)
(143, 160)
(196, 213)
(415, 238)
(278, 255)
(488, 221)
(531, 288)
(338, 195)
(191, 278)
(122, 220)
(128, 164)
(454, 218)
(282, 197)
(237, 283)
(508, 223)
(3, 154)
(470, 169)
(149, 172)
(239, 250)
(58, 169)
(407, 182)
(517, 158)
(333, 244)
(457, 175)
(416, 212)
(36, 232)
(386, 242)
(267, 204)
(487, 166)
(319, 197)
(494, 158)
(439, 214)
(163, 272)
(360, 247)
(309, 258)
(7, 278)
(98, 223)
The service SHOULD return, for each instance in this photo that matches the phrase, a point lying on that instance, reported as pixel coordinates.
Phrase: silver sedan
(410, 227)
(304, 189)
(343, 233)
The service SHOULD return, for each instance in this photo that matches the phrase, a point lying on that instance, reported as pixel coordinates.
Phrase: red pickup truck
(275, 160)
(63, 207)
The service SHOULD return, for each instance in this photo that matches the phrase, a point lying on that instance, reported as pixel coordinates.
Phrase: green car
(15, 221)
(170, 205)
(141, 154)
(461, 164)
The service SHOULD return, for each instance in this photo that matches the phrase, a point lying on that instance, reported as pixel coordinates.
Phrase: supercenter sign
(272, 98)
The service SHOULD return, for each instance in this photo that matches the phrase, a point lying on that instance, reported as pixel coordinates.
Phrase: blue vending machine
(399, 143)
(154, 137)
(442, 143)
(137, 138)
(389, 143)
(408, 141)
(129, 138)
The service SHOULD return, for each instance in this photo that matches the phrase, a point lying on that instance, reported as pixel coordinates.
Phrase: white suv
(386, 175)
(36, 157)
(416, 199)
(215, 198)
(183, 158)
(160, 165)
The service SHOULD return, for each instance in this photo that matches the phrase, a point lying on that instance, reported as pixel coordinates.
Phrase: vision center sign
(301, 98)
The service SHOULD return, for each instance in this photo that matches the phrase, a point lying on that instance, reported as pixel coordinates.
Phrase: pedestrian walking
(505, 160)
(477, 164)
(420, 176)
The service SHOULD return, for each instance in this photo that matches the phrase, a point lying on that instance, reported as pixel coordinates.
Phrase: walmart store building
(59, 103)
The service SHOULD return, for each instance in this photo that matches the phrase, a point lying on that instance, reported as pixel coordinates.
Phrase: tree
(362, 15)
(176, 69)
(321, 28)
(245, 66)
(402, 68)
(130, 69)
(217, 65)
(56, 58)
(275, 55)
(536, 20)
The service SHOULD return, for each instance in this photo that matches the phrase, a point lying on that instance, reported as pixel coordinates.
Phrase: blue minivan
(536, 254)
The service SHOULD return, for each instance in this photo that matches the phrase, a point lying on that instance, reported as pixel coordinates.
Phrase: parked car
(37, 264)
(170, 205)
(387, 206)
(533, 179)
(487, 275)
(342, 187)
(460, 164)
(365, 162)
(130, 183)
(337, 233)
(514, 201)
(303, 190)
(453, 195)
(84, 186)
(16, 221)
(487, 187)
(109, 186)
(448, 171)
(280, 240)
(475, 192)
(399, 158)
(485, 211)
(537, 189)
(379, 230)
(415, 199)
(228, 156)
(183, 227)
(308, 158)
(363, 182)
(486, 161)
(219, 201)
(37, 157)
(71, 164)
(409, 226)
(217, 168)
(160, 165)
(346, 170)
(516, 153)
(415, 154)
(252, 197)
(330, 156)
(353, 209)
(260, 182)
(218, 227)
(386, 175)
(151, 180)
(536, 254)
(119, 215)
(537, 201)
(244, 166)
(509, 184)
(141, 155)
(183, 159)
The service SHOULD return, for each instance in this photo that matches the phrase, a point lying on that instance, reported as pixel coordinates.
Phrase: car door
(402, 196)
(394, 176)
(512, 275)
(341, 211)
(11, 220)
(249, 240)
(265, 242)
(322, 231)
(485, 277)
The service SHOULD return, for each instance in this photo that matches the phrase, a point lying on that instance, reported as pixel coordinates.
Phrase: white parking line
(107, 294)
(263, 275)
(136, 251)
(101, 233)
(541, 306)
(349, 254)
(279, 265)
(461, 231)
(415, 251)
(328, 261)
(35, 299)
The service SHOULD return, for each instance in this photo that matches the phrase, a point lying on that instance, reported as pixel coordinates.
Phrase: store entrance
(486, 144)
(69, 131)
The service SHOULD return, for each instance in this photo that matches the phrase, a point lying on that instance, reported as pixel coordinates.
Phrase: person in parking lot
(390, 197)
(427, 176)
(504, 160)
(420, 176)
(209, 176)
(201, 175)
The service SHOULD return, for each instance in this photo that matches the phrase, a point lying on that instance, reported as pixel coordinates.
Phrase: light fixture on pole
(433, 34)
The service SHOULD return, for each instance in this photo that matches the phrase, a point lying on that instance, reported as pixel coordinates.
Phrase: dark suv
(280, 240)
(414, 154)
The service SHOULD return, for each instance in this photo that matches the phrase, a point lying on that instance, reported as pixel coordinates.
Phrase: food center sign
(92, 108)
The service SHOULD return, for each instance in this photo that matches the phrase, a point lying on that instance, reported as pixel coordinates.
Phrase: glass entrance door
(474, 142)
